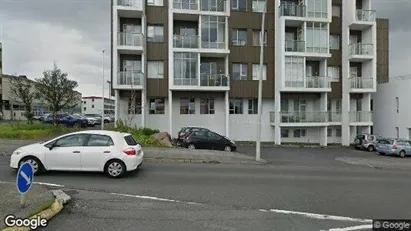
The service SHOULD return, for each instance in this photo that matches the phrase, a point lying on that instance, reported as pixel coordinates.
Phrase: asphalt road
(300, 185)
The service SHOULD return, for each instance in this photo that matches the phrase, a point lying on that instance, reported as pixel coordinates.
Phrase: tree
(24, 91)
(57, 90)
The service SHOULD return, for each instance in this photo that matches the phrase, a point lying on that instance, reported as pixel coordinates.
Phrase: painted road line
(351, 228)
(318, 216)
(49, 184)
(155, 198)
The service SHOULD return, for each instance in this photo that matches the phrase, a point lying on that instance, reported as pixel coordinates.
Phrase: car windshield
(386, 141)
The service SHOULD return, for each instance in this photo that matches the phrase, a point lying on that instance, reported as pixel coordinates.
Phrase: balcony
(130, 8)
(361, 52)
(206, 82)
(130, 43)
(186, 41)
(363, 19)
(360, 84)
(300, 118)
(292, 10)
(213, 5)
(334, 118)
(185, 4)
(214, 80)
(130, 80)
(213, 45)
(360, 117)
(309, 84)
(294, 46)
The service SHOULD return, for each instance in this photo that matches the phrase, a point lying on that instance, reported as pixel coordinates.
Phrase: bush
(141, 135)
(31, 131)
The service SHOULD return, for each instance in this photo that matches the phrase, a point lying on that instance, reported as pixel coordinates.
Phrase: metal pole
(23, 200)
(102, 110)
(260, 86)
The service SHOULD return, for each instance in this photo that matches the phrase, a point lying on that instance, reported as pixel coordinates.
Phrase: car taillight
(130, 151)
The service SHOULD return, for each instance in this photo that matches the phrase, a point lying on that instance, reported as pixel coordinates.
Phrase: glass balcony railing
(293, 10)
(310, 82)
(360, 116)
(186, 81)
(303, 117)
(361, 49)
(131, 3)
(213, 5)
(365, 15)
(294, 46)
(213, 45)
(361, 83)
(214, 80)
(334, 116)
(185, 4)
(186, 41)
(130, 39)
(130, 78)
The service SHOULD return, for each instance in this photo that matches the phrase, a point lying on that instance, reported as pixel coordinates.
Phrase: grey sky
(74, 32)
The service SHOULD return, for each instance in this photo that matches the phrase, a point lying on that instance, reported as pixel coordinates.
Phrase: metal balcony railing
(132, 3)
(361, 49)
(213, 5)
(294, 46)
(310, 82)
(294, 10)
(130, 78)
(185, 4)
(130, 39)
(361, 83)
(213, 45)
(214, 80)
(360, 116)
(365, 15)
(186, 41)
(303, 117)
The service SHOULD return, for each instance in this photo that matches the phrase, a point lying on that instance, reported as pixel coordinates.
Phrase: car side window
(71, 141)
(213, 136)
(200, 134)
(100, 141)
(371, 138)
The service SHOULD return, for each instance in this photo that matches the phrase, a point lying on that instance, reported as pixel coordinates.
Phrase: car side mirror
(51, 146)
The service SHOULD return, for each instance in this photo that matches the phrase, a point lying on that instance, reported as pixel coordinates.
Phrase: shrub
(31, 131)
(141, 135)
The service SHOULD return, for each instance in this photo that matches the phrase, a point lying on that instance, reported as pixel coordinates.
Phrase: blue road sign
(25, 178)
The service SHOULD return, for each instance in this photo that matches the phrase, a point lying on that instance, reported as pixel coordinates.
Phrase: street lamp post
(102, 110)
(260, 86)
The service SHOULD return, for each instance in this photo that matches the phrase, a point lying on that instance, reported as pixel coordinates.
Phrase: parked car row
(87, 120)
(383, 146)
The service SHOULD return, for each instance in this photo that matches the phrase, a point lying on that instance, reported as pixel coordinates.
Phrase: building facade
(1, 78)
(94, 105)
(182, 63)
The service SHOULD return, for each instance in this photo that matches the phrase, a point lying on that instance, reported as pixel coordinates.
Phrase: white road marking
(351, 228)
(49, 184)
(155, 198)
(318, 216)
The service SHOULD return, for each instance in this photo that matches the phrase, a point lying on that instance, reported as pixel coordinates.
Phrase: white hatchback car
(114, 153)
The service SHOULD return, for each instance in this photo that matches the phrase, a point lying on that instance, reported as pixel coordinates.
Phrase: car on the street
(91, 121)
(113, 153)
(68, 120)
(97, 117)
(43, 116)
(366, 141)
(206, 139)
(109, 118)
(186, 130)
(393, 146)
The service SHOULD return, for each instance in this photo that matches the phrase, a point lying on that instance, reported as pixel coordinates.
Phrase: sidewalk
(37, 199)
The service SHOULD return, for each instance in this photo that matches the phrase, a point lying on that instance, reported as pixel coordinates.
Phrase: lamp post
(102, 110)
(260, 86)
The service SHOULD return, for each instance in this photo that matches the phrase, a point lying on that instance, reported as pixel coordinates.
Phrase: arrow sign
(25, 178)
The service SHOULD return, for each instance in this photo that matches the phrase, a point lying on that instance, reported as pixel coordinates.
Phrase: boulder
(164, 138)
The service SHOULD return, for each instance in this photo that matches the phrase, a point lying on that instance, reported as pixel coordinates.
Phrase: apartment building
(94, 105)
(1, 75)
(182, 63)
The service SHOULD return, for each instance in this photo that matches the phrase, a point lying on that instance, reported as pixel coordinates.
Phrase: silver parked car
(366, 141)
(95, 117)
(397, 147)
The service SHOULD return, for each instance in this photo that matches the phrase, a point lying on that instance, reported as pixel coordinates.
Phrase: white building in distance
(94, 105)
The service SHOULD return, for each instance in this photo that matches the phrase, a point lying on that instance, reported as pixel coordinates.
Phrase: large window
(156, 106)
(187, 106)
(155, 33)
(239, 37)
(334, 73)
(239, 71)
(317, 8)
(213, 32)
(256, 71)
(256, 37)
(317, 37)
(155, 69)
(207, 106)
(239, 5)
(334, 42)
(294, 72)
(258, 5)
(252, 106)
(185, 69)
(298, 133)
(236, 106)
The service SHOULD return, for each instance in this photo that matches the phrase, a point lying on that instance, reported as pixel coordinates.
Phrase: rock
(164, 138)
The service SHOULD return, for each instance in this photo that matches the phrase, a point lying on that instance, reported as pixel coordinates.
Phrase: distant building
(94, 105)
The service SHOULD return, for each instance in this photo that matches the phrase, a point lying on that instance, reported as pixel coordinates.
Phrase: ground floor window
(298, 133)
(252, 106)
(207, 106)
(187, 106)
(284, 132)
(236, 106)
(157, 106)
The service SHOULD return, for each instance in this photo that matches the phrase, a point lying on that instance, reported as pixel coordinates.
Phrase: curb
(198, 161)
(61, 199)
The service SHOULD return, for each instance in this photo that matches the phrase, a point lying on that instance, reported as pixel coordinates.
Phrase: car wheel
(35, 163)
(371, 148)
(227, 148)
(115, 168)
(402, 154)
(191, 146)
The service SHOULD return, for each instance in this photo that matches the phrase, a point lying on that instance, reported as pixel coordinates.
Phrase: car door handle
(106, 152)
(76, 151)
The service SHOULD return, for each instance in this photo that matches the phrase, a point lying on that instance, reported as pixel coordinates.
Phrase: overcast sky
(73, 33)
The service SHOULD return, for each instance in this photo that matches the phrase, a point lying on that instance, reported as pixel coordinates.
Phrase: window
(256, 71)
(236, 106)
(71, 141)
(338, 106)
(334, 73)
(329, 132)
(253, 106)
(336, 11)
(334, 42)
(187, 106)
(284, 132)
(85, 109)
(130, 140)
(213, 32)
(157, 106)
(155, 33)
(213, 136)
(155, 2)
(134, 104)
(239, 37)
(317, 8)
(258, 5)
(185, 69)
(239, 71)
(155, 69)
(338, 132)
(239, 5)
(92, 100)
(207, 106)
(298, 133)
(317, 37)
(397, 132)
(92, 106)
(100, 140)
(397, 104)
(294, 71)
(84, 102)
(256, 37)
